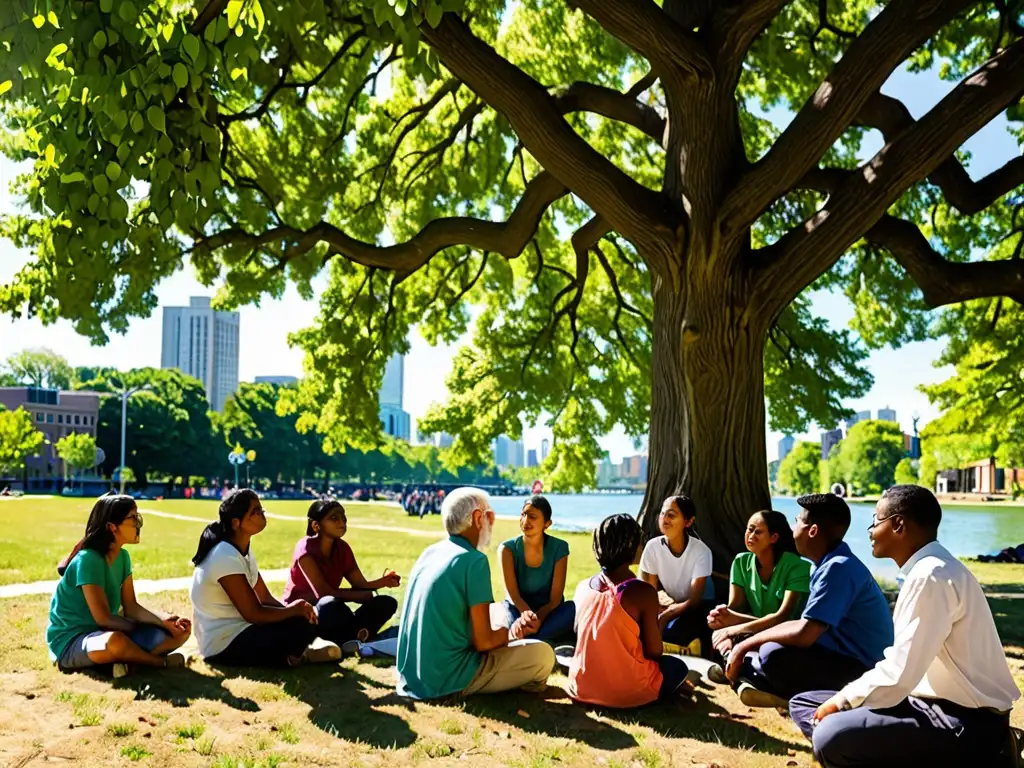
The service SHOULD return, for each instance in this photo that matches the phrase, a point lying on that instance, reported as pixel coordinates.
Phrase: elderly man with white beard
(445, 641)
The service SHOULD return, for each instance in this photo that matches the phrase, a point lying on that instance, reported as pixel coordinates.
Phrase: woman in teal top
(534, 567)
(768, 585)
(87, 626)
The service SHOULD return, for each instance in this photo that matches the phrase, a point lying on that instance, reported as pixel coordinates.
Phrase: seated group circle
(806, 627)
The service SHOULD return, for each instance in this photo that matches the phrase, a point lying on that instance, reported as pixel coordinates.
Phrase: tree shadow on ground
(339, 702)
(555, 714)
(702, 719)
(551, 713)
(180, 688)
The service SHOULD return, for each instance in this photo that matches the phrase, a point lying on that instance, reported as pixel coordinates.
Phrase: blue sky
(264, 349)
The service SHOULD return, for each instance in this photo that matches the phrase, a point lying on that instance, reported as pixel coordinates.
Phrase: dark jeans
(787, 671)
(930, 732)
(339, 623)
(558, 624)
(673, 674)
(693, 624)
(267, 645)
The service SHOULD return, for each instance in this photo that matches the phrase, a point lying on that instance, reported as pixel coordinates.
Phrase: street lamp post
(124, 395)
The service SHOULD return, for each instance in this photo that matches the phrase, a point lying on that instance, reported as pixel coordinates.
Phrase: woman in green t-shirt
(768, 585)
(87, 626)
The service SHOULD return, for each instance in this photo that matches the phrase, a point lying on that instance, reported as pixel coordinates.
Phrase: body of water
(965, 531)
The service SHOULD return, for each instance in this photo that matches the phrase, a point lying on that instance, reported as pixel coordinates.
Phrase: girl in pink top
(618, 660)
(319, 563)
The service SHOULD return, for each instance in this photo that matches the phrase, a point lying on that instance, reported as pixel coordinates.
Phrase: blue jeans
(76, 654)
(559, 622)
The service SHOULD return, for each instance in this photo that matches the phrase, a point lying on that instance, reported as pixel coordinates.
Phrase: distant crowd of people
(805, 628)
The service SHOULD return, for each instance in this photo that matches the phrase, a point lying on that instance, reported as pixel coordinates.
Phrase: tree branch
(211, 11)
(651, 32)
(941, 281)
(640, 214)
(607, 102)
(736, 26)
(507, 238)
(798, 258)
(900, 28)
(891, 117)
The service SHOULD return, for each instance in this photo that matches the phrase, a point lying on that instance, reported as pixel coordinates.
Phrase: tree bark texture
(707, 408)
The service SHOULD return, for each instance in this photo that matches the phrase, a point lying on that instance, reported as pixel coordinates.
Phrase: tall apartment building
(55, 413)
(393, 419)
(830, 439)
(545, 448)
(858, 417)
(887, 414)
(786, 445)
(203, 343)
(509, 452)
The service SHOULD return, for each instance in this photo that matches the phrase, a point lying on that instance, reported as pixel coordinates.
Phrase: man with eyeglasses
(943, 693)
(843, 631)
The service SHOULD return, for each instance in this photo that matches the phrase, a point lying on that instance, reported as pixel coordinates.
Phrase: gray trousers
(930, 732)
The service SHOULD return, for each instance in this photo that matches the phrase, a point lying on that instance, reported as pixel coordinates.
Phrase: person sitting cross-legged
(239, 623)
(619, 659)
(942, 694)
(768, 585)
(322, 558)
(680, 564)
(95, 618)
(445, 641)
(844, 628)
(534, 567)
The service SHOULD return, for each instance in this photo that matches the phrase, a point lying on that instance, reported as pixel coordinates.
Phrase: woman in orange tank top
(618, 660)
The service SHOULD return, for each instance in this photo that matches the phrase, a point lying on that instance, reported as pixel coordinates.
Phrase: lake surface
(965, 531)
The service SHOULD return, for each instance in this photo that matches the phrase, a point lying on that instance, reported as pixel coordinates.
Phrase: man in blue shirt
(845, 627)
(445, 641)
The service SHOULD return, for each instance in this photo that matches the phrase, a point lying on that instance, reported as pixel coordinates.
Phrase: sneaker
(121, 670)
(351, 647)
(175, 660)
(754, 697)
(717, 675)
(321, 652)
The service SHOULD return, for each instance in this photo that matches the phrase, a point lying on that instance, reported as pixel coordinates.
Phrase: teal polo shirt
(436, 656)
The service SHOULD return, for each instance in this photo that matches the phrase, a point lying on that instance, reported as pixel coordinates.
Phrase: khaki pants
(521, 664)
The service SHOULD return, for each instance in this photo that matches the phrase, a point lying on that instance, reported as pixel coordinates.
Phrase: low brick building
(55, 413)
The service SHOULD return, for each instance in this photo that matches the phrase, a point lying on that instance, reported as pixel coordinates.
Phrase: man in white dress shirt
(943, 692)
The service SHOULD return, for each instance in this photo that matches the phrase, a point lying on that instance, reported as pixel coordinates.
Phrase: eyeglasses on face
(875, 523)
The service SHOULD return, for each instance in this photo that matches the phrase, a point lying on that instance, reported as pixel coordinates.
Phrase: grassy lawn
(345, 714)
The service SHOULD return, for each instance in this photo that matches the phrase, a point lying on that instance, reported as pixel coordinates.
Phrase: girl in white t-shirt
(680, 565)
(237, 621)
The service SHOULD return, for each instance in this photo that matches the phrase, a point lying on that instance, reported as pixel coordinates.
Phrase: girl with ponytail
(94, 615)
(238, 621)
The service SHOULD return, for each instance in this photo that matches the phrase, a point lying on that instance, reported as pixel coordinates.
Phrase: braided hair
(616, 541)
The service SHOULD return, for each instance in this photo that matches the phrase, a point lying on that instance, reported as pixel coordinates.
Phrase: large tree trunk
(707, 435)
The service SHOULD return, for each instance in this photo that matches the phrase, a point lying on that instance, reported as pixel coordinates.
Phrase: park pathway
(153, 586)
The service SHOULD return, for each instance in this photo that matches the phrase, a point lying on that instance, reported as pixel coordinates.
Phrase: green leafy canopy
(384, 148)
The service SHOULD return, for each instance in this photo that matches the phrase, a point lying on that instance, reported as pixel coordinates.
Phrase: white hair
(457, 508)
